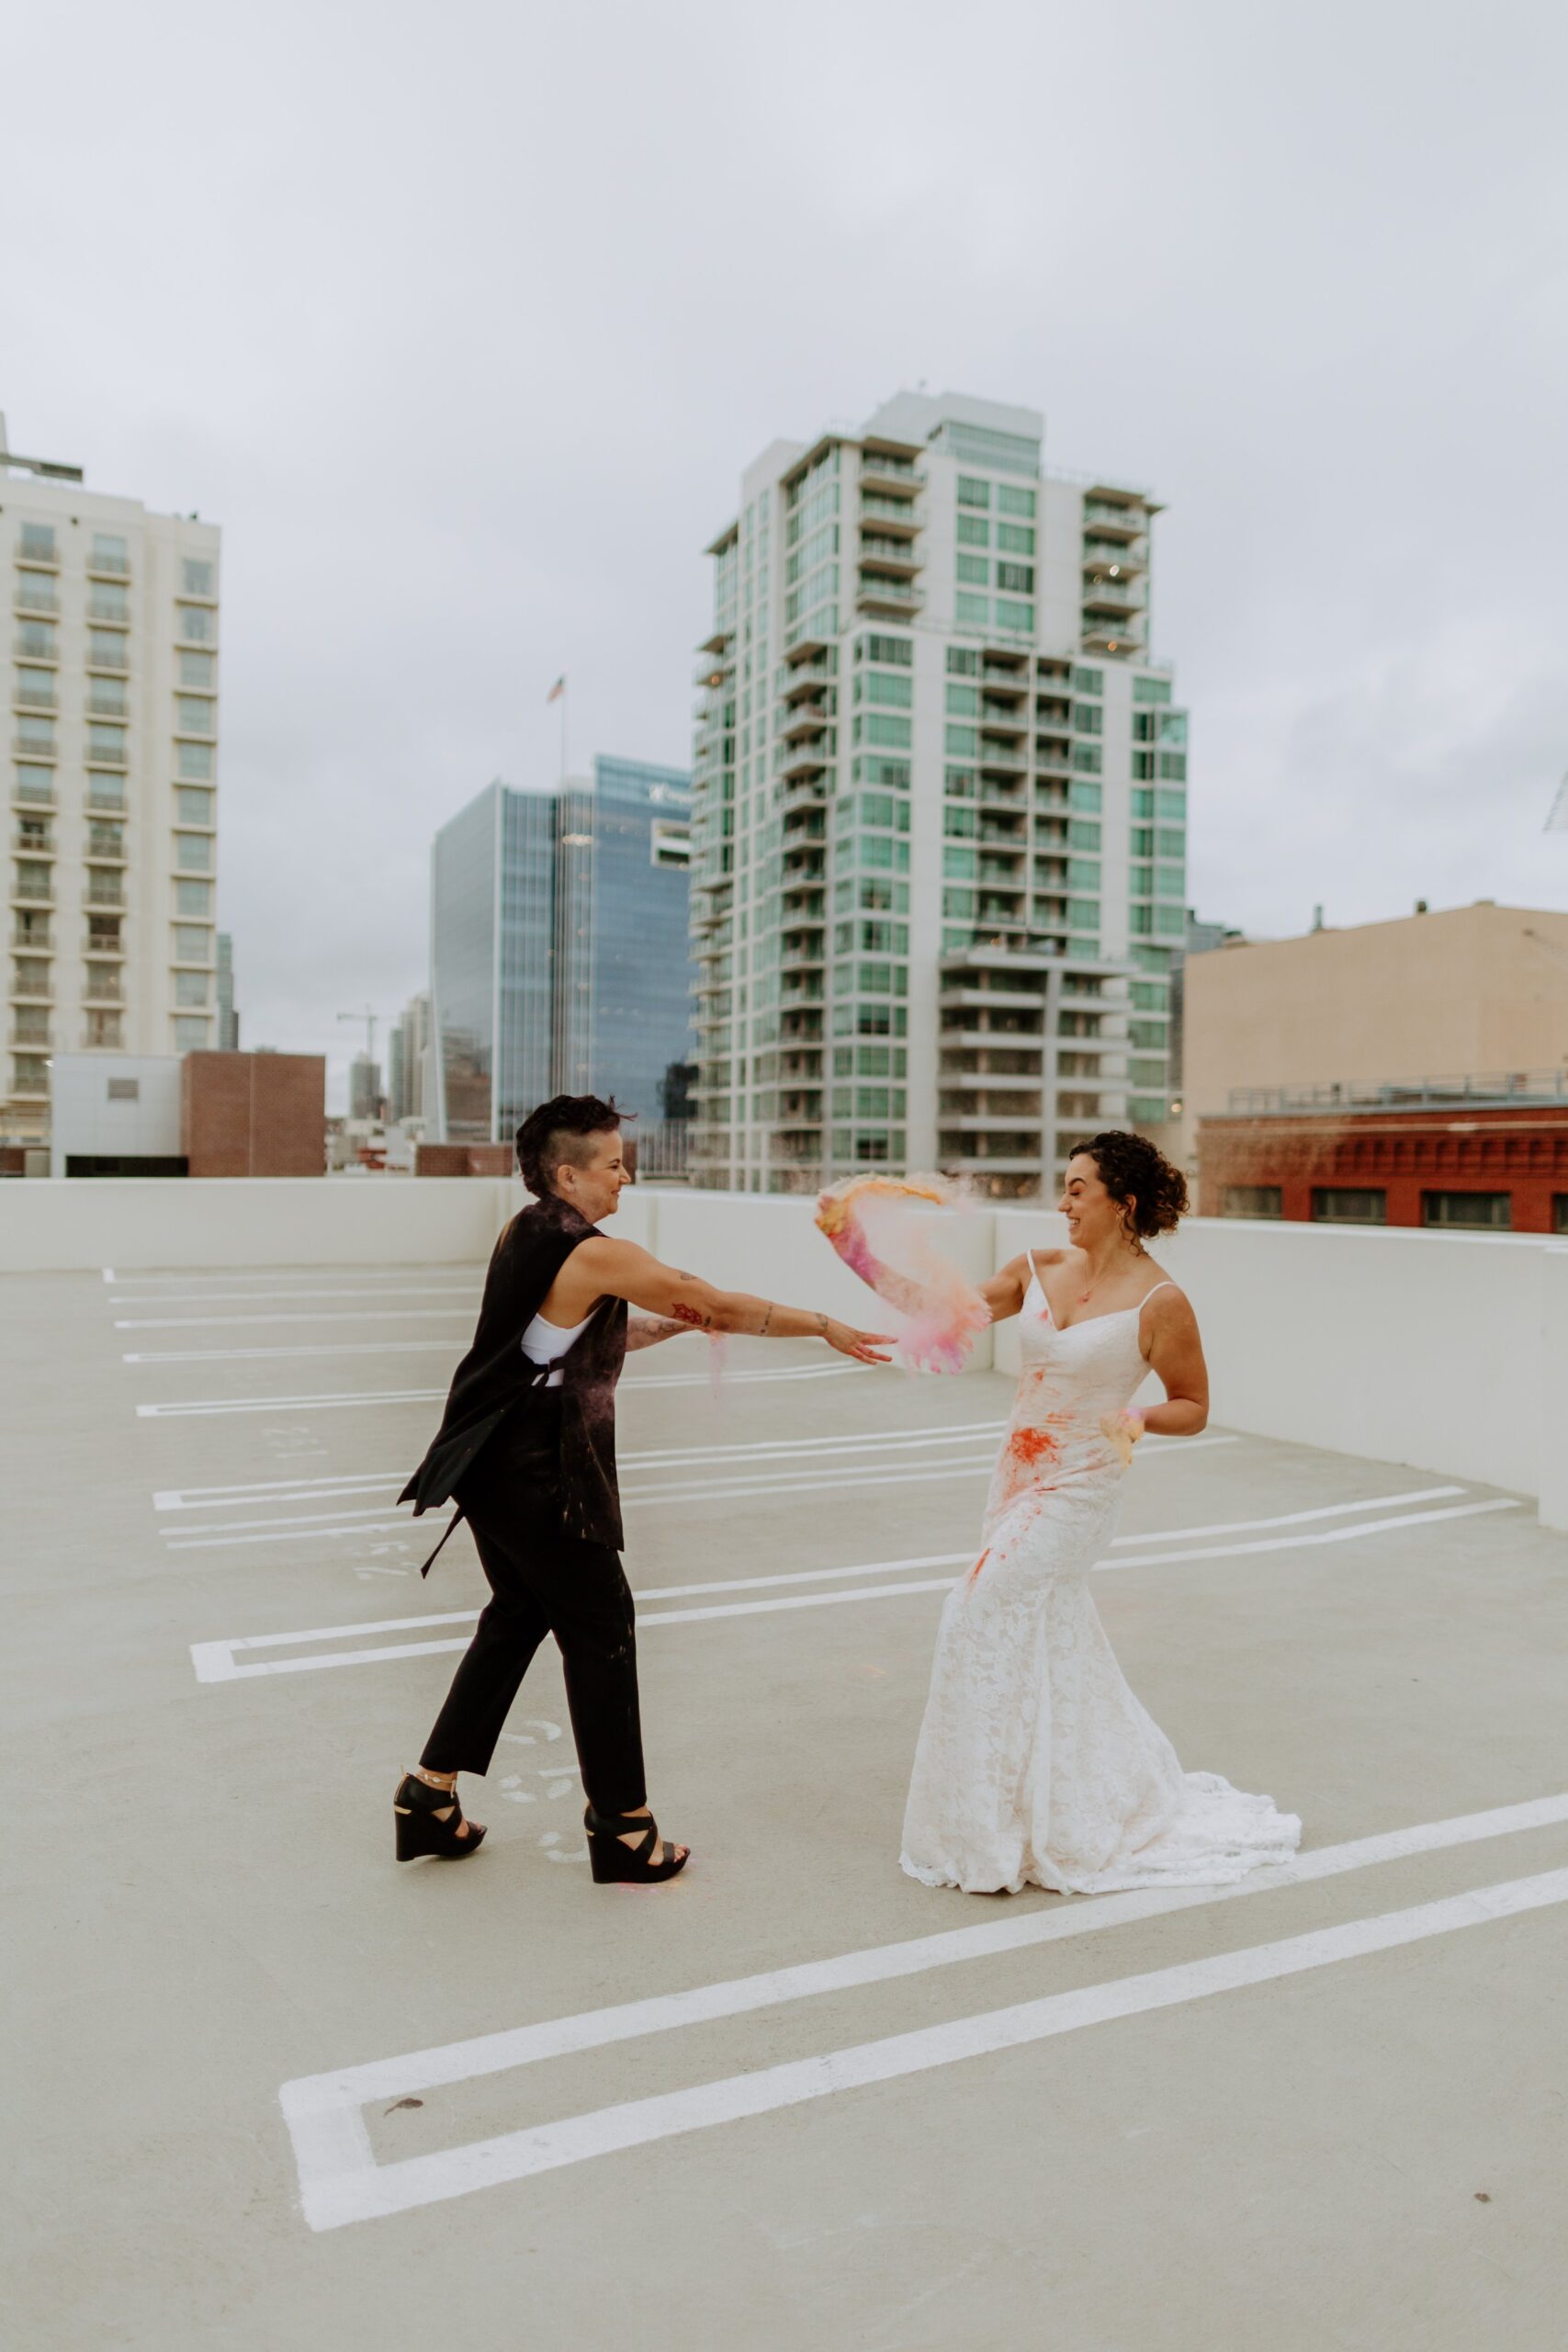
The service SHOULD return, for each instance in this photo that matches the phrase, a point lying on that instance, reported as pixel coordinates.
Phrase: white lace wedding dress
(1036, 1764)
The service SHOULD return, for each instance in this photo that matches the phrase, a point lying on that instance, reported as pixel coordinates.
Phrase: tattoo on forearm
(767, 1321)
(821, 1322)
(645, 1330)
(693, 1316)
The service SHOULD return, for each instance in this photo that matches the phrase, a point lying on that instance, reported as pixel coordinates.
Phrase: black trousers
(542, 1581)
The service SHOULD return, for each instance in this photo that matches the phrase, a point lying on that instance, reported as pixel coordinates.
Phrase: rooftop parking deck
(271, 2091)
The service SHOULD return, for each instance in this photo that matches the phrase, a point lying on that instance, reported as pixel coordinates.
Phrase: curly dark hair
(560, 1129)
(1151, 1194)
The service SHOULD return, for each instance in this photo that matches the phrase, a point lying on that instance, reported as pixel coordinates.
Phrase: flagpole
(563, 696)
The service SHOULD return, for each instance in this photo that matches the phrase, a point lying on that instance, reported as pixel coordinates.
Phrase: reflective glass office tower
(625, 957)
(560, 950)
(493, 961)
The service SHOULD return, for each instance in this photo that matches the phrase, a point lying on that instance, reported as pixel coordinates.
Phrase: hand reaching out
(861, 1345)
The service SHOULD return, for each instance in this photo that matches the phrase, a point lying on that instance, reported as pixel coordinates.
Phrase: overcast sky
(463, 323)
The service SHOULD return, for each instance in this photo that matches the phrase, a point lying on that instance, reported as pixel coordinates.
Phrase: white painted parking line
(340, 2181)
(382, 1481)
(467, 1291)
(277, 1355)
(298, 1527)
(203, 1407)
(217, 1661)
(460, 1314)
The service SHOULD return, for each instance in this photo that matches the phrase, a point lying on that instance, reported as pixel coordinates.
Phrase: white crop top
(546, 1342)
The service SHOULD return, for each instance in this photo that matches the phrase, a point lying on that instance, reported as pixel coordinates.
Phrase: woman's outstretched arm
(622, 1269)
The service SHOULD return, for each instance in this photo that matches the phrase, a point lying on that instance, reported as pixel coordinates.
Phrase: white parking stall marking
(389, 1482)
(467, 1292)
(322, 1348)
(383, 1481)
(201, 1408)
(340, 2181)
(298, 1527)
(217, 1661)
(301, 1314)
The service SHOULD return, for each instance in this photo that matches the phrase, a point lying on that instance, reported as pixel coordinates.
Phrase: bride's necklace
(1085, 1296)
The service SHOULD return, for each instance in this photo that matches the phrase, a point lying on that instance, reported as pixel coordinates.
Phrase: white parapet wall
(1446, 1351)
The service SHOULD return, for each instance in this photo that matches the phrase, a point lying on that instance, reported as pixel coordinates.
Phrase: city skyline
(1349, 428)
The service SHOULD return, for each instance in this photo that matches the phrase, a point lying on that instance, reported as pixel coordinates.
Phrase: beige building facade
(110, 667)
(1477, 991)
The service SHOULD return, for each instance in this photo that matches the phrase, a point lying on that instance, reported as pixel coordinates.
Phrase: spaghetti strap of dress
(1167, 1284)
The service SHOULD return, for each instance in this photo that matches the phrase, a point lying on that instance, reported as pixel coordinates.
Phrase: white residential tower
(110, 675)
(939, 838)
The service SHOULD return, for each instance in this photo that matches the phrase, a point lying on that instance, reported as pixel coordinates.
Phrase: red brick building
(254, 1114)
(1477, 1155)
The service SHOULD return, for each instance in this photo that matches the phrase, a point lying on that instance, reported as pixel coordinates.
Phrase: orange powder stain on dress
(979, 1564)
(1031, 1445)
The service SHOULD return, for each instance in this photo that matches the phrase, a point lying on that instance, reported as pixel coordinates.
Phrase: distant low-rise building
(1486, 1155)
(1413, 1072)
(227, 1014)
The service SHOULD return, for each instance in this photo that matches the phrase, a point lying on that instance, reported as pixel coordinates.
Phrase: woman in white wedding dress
(1036, 1765)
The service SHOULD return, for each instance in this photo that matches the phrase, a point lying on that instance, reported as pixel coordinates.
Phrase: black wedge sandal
(614, 1865)
(415, 1807)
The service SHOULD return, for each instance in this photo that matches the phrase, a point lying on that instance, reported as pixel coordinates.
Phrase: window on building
(1083, 914)
(1083, 834)
(960, 821)
(195, 576)
(105, 743)
(196, 624)
(970, 611)
(193, 898)
(1018, 579)
(1251, 1200)
(194, 761)
(1015, 538)
(193, 944)
(1088, 758)
(960, 864)
(1015, 617)
(1151, 690)
(975, 570)
(36, 784)
(191, 1033)
(1349, 1205)
(37, 543)
(894, 688)
(1171, 922)
(1089, 718)
(1088, 682)
(35, 735)
(110, 553)
(963, 661)
(197, 670)
(192, 714)
(974, 531)
(962, 742)
(193, 853)
(973, 491)
(1170, 806)
(897, 650)
(1483, 1212)
(1173, 766)
(1085, 795)
(193, 806)
(1083, 873)
(1011, 501)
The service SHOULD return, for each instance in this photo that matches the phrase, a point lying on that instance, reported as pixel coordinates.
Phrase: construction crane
(370, 1019)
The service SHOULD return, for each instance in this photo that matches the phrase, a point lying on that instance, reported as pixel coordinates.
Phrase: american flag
(557, 691)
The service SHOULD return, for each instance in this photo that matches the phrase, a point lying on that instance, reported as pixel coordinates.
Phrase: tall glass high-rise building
(939, 831)
(559, 948)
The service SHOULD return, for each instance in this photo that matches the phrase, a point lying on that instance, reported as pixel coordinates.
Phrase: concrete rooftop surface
(269, 2091)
